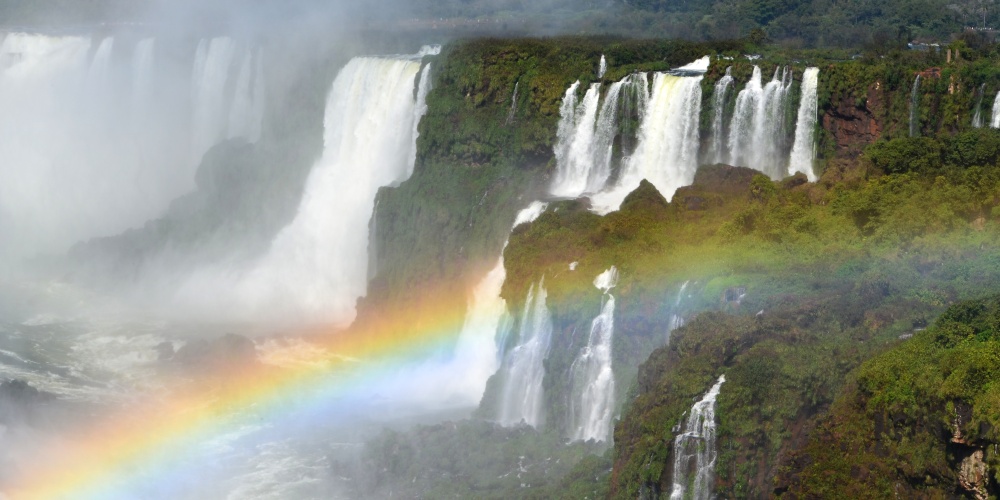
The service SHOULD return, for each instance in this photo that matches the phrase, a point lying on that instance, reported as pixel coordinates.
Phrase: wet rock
(972, 475)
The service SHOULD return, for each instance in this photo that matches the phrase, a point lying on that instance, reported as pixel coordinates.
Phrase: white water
(522, 394)
(694, 450)
(70, 160)
(804, 148)
(757, 135)
(574, 148)
(667, 154)
(995, 117)
(698, 66)
(477, 356)
(915, 108)
(246, 115)
(676, 320)
(317, 266)
(586, 135)
(513, 105)
(977, 115)
(208, 87)
(602, 68)
(593, 379)
(718, 152)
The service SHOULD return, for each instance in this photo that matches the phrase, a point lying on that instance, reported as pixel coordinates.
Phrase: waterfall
(717, 153)
(522, 397)
(914, 111)
(77, 127)
(757, 132)
(420, 108)
(97, 73)
(246, 114)
(574, 149)
(995, 117)
(317, 266)
(804, 148)
(593, 379)
(513, 105)
(676, 320)
(977, 115)
(208, 90)
(142, 77)
(694, 450)
(634, 101)
(487, 323)
(587, 131)
(667, 154)
(602, 68)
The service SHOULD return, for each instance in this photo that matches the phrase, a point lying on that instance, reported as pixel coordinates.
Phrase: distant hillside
(805, 23)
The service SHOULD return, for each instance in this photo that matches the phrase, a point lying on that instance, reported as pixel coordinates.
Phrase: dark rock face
(854, 126)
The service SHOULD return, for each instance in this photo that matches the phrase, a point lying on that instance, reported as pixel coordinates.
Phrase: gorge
(559, 267)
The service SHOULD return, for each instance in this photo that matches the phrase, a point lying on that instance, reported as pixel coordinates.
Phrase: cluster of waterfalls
(756, 127)
(110, 131)
(125, 124)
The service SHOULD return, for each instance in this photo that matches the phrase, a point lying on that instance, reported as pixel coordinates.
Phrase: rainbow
(153, 446)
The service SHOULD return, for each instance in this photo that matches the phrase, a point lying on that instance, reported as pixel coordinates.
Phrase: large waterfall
(694, 450)
(593, 392)
(317, 265)
(804, 148)
(523, 371)
(96, 131)
(758, 136)
(667, 153)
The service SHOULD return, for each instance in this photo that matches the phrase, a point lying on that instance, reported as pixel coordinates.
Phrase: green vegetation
(841, 269)
(919, 420)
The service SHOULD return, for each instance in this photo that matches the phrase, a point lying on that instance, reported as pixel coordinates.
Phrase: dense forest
(795, 23)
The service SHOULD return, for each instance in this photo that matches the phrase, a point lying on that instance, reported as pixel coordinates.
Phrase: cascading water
(718, 153)
(977, 114)
(487, 324)
(694, 450)
(513, 105)
(995, 117)
(246, 115)
(586, 136)
(593, 379)
(79, 132)
(757, 135)
(804, 148)
(914, 108)
(676, 320)
(574, 149)
(602, 68)
(522, 395)
(667, 154)
(208, 86)
(317, 266)
(142, 77)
